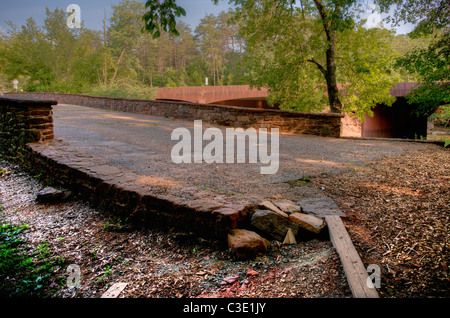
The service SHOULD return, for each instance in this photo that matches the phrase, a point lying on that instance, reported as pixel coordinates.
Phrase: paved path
(142, 144)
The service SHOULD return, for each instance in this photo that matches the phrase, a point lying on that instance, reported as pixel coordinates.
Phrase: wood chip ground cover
(152, 263)
(398, 212)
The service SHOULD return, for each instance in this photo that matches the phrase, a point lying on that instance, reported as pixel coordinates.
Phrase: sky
(92, 11)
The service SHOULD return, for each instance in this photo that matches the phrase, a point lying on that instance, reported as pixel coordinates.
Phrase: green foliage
(161, 17)
(366, 69)
(289, 53)
(122, 61)
(52, 57)
(442, 116)
(124, 89)
(446, 143)
(432, 65)
(296, 49)
(29, 276)
(426, 15)
(403, 44)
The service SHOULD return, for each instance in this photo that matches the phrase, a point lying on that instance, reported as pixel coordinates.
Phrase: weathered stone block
(246, 244)
(287, 206)
(272, 224)
(308, 222)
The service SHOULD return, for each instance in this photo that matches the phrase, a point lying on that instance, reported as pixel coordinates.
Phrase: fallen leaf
(229, 280)
(251, 272)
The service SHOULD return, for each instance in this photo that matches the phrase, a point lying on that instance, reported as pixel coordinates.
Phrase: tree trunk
(330, 72)
(213, 65)
(117, 67)
(233, 53)
(332, 88)
(240, 56)
(105, 70)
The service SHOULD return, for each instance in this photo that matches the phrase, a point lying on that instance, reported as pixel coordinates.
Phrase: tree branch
(320, 67)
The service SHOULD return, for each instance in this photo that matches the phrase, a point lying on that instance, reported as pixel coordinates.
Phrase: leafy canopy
(288, 48)
(430, 64)
(300, 50)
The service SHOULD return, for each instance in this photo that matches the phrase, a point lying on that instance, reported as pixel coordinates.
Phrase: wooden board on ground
(355, 271)
(114, 290)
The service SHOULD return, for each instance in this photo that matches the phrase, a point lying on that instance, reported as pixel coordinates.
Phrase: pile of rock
(280, 220)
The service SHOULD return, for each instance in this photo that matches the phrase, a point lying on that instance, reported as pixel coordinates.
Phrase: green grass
(300, 182)
(23, 273)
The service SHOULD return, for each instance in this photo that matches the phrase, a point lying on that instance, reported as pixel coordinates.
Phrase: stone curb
(117, 192)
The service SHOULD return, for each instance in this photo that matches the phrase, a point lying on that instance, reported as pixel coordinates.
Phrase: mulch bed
(153, 263)
(398, 218)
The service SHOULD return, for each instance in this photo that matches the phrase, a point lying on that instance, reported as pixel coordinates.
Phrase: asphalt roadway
(142, 144)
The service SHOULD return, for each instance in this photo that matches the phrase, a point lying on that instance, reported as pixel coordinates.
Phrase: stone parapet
(23, 121)
(320, 124)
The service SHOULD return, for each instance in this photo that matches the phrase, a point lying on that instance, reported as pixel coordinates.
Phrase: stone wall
(24, 121)
(26, 137)
(321, 124)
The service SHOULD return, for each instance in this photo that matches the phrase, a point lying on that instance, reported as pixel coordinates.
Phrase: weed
(299, 182)
(94, 252)
(42, 250)
(104, 275)
(203, 187)
(20, 275)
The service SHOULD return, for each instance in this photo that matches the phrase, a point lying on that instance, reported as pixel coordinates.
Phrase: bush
(124, 89)
(441, 117)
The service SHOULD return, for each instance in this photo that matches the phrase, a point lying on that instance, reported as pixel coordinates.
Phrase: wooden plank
(354, 269)
(114, 290)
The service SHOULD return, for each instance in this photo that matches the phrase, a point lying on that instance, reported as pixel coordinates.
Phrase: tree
(23, 54)
(52, 57)
(209, 35)
(403, 44)
(426, 15)
(124, 34)
(291, 55)
(431, 64)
